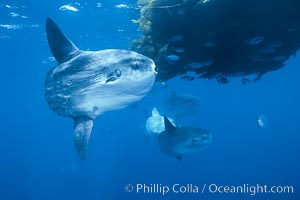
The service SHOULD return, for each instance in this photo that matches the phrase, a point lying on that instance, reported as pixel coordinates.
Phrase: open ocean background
(38, 158)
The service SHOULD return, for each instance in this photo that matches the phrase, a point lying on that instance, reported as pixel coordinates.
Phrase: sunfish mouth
(154, 71)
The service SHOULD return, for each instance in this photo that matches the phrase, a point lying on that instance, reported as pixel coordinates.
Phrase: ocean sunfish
(177, 141)
(155, 124)
(178, 106)
(86, 84)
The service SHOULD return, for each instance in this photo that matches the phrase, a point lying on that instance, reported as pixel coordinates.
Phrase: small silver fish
(209, 44)
(172, 58)
(179, 50)
(175, 38)
(255, 41)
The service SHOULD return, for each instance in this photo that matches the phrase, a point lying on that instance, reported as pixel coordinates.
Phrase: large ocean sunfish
(86, 84)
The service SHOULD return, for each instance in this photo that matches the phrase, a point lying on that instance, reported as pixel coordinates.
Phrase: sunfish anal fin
(82, 131)
(61, 47)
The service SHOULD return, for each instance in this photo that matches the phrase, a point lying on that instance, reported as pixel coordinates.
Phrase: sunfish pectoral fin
(82, 131)
(61, 47)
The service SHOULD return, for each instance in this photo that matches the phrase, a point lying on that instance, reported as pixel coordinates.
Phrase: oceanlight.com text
(249, 189)
(176, 188)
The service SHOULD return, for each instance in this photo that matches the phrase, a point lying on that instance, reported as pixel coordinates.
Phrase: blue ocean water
(38, 158)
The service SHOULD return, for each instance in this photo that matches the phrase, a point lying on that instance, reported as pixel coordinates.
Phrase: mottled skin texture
(86, 84)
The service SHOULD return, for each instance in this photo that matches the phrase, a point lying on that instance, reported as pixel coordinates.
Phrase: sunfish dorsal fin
(155, 112)
(168, 125)
(61, 47)
(82, 132)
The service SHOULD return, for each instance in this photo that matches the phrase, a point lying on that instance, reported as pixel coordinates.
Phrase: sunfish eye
(118, 72)
(113, 75)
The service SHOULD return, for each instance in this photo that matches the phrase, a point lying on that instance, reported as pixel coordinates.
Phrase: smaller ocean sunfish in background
(177, 106)
(155, 124)
(86, 84)
(177, 141)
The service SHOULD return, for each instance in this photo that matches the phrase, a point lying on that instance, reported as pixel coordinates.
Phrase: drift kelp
(218, 39)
